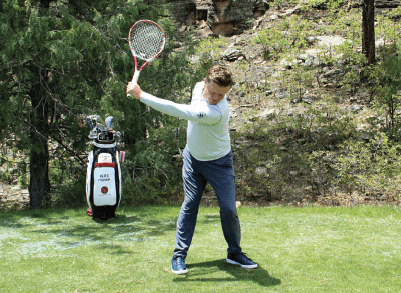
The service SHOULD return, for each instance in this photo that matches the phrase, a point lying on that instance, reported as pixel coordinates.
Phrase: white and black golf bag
(103, 175)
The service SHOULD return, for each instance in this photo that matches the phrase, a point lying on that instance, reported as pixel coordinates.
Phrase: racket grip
(136, 76)
(134, 80)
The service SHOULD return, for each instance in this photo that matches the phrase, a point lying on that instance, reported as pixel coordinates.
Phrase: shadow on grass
(74, 230)
(202, 272)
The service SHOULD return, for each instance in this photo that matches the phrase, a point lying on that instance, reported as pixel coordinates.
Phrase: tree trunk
(368, 30)
(39, 183)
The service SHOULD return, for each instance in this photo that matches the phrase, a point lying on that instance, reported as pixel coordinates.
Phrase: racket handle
(134, 80)
(136, 76)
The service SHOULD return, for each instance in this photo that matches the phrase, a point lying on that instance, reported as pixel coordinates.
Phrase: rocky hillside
(284, 108)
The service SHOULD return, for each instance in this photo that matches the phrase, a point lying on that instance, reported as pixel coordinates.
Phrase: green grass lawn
(297, 249)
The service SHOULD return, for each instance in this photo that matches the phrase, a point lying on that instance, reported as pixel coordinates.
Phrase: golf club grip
(134, 80)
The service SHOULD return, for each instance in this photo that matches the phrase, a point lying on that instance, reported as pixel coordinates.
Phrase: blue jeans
(196, 174)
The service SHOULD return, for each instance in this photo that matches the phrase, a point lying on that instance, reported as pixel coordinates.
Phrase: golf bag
(103, 175)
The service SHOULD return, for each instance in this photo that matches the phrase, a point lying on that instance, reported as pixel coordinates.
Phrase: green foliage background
(64, 60)
(75, 57)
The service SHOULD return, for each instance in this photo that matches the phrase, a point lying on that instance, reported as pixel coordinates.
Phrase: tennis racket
(146, 41)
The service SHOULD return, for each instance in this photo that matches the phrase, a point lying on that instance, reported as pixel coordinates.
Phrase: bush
(368, 168)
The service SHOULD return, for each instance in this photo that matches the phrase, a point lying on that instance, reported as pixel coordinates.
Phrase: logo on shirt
(201, 115)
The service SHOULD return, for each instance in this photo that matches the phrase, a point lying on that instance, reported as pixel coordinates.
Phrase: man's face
(213, 93)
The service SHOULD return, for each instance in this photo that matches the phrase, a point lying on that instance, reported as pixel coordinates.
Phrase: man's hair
(221, 75)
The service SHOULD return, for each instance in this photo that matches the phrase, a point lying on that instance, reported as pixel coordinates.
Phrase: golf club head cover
(92, 121)
(122, 157)
(109, 121)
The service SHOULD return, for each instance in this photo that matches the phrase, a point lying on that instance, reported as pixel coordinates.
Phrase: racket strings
(146, 40)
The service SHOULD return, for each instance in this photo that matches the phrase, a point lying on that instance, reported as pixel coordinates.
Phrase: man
(207, 157)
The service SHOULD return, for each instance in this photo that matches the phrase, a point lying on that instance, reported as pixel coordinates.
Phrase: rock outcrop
(223, 17)
(231, 17)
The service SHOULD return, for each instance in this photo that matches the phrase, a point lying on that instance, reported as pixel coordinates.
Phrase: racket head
(146, 40)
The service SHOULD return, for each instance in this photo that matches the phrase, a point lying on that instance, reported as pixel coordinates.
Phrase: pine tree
(63, 60)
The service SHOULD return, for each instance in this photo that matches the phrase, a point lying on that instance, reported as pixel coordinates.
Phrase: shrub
(372, 167)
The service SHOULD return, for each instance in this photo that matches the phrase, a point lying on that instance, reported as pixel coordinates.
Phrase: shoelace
(179, 261)
(244, 257)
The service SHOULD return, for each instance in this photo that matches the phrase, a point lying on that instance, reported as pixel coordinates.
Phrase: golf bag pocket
(104, 184)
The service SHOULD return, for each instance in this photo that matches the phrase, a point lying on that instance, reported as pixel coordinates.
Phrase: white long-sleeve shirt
(208, 136)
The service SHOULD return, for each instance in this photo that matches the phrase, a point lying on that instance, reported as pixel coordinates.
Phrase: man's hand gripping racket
(146, 41)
